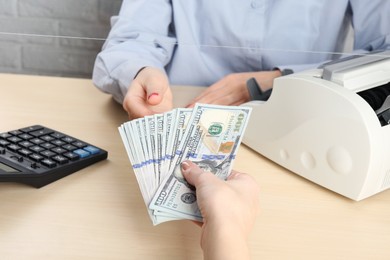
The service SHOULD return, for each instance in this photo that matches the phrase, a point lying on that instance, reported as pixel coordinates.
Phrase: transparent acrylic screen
(63, 37)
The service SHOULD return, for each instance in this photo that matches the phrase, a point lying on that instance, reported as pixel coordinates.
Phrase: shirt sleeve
(140, 36)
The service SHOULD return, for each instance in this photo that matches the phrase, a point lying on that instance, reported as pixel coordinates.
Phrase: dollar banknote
(211, 139)
(208, 135)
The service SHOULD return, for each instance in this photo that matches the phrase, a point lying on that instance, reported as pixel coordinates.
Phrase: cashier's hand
(148, 94)
(229, 209)
(231, 90)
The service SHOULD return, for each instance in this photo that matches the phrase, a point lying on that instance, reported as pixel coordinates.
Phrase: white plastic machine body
(316, 125)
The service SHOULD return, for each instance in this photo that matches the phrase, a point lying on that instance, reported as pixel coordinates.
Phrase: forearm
(132, 44)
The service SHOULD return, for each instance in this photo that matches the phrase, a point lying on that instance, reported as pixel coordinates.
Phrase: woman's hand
(232, 90)
(148, 94)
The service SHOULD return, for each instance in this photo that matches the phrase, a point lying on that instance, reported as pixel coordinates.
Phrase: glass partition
(63, 37)
(56, 37)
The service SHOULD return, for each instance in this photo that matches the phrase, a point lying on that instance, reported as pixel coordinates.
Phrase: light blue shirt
(197, 42)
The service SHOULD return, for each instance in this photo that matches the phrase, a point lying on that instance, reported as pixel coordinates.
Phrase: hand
(231, 90)
(148, 94)
(229, 209)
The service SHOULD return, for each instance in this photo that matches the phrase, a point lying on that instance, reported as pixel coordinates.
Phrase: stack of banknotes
(208, 135)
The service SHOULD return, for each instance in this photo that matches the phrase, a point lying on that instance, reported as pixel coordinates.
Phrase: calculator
(37, 155)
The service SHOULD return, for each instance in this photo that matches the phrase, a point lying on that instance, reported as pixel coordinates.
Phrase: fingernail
(153, 94)
(185, 166)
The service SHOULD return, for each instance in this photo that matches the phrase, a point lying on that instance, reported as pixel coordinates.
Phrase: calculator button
(82, 153)
(41, 132)
(47, 138)
(47, 154)
(79, 144)
(72, 156)
(4, 143)
(69, 147)
(5, 135)
(14, 139)
(48, 146)
(68, 139)
(37, 141)
(59, 150)
(58, 142)
(48, 163)
(31, 128)
(36, 149)
(24, 152)
(57, 135)
(91, 149)
(15, 132)
(26, 144)
(2, 150)
(25, 136)
(36, 157)
(60, 159)
(13, 147)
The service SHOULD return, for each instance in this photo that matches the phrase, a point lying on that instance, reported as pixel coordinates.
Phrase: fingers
(148, 94)
(235, 175)
(243, 179)
(155, 91)
(191, 172)
(199, 224)
(135, 106)
(231, 90)
(196, 176)
(155, 83)
(208, 96)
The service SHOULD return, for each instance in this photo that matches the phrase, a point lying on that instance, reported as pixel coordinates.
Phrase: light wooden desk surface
(98, 212)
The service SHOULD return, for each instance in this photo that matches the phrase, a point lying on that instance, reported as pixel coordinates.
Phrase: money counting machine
(330, 125)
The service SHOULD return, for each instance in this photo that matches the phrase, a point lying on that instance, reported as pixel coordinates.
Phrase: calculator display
(7, 168)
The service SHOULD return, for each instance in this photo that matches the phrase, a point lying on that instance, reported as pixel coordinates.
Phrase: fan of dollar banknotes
(208, 135)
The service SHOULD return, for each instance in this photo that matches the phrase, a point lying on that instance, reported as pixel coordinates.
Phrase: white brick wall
(53, 55)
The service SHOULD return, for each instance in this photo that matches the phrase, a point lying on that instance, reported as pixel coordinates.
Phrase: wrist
(218, 236)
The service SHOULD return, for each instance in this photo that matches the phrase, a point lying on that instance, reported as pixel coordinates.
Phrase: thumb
(195, 175)
(156, 88)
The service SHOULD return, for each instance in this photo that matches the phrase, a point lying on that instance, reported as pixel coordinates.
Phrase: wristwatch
(286, 72)
(255, 92)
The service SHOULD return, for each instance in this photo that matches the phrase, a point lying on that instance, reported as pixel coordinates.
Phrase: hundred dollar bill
(151, 132)
(211, 141)
(168, 129)
(160, 144)
(182, 119)
(127, 135)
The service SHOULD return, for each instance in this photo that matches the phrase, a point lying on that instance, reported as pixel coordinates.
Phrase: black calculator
(37, 155)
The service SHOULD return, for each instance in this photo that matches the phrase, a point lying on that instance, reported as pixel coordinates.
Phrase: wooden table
(99, 213)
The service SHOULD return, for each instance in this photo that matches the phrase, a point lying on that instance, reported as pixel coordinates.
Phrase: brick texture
(41, 36)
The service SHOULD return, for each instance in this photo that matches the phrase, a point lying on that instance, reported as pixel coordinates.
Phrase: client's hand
(229, 209)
